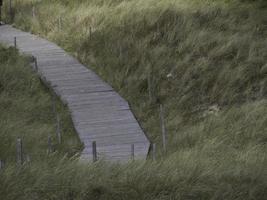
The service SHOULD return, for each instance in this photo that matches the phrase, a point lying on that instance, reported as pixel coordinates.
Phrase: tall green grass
(188, 174)
(207, 63)
(199, 54)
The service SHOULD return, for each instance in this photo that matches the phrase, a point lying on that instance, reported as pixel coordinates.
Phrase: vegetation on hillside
(198, 56)
(26, 112)
(206, 61)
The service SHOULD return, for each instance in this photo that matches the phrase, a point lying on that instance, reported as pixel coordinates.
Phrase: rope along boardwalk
(99, 114)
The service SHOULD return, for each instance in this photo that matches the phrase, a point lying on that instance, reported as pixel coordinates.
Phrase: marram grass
(207, 65)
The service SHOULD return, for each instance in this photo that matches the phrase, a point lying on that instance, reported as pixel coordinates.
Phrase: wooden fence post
(33, 12)
(163, 129)
(154, 151)
(15, 42)
(149, 87)
(10, 10)
(120, 53)
(59, 23)
(1, 4)
(19, 152)
(1, 164)
(58, 129)
(144, 20)
(90, 32)
(27, 158)
(49, 143)
(35, 64)
(94, 151)
(54, 103)
(132, 151)
(158, 28)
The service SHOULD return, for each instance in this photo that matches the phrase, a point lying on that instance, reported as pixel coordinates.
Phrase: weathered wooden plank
(105, 116)
(96, 108)
(112, 140)
(64, 71)
(68, 82)
(114, 150)
(121, 120)
(118, 148)
(104, 102)
(96, 95)
(110, 133)
(100, 115)
(127, 125)
(130, 137)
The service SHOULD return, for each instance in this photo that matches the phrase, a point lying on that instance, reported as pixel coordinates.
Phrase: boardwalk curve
(98, 112)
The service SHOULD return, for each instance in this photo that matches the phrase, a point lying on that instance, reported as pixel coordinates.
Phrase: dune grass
(198, 55)
(206, 62)
(183, 176)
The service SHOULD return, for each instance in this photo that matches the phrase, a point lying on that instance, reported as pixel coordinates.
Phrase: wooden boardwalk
(98, 112)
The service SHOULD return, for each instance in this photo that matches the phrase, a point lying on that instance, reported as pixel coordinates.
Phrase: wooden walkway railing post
(1, 165)
(163, 129)
(27, 158)
(35, 64)
(149, 85)
(33, 12)
(15, 42)
(19, 152)
(59, 23)
(54, 103)
(49, 144)
(132, 152)
(10, 10)
(90, 32)
(94, 151)
(153, 151)
(120, 53)
(58, 129)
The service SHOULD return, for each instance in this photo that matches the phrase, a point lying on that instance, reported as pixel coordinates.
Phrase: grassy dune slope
(207, 65)
(198, 56)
